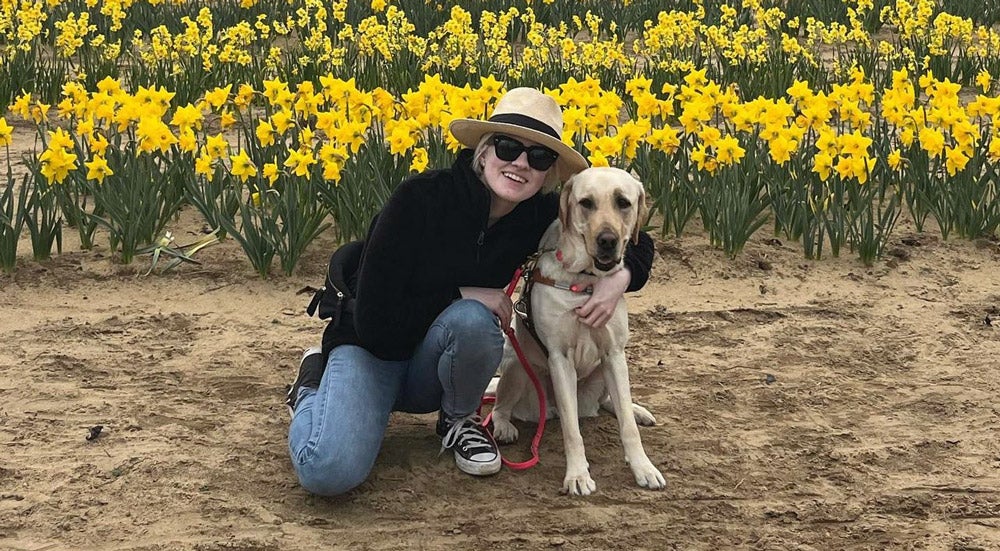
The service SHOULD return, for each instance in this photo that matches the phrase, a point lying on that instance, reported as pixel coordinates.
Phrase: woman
(426, 332)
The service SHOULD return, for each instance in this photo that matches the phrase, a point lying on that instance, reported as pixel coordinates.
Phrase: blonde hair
(552, 180)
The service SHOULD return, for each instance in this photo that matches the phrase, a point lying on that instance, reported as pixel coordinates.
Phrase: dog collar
(537, 277)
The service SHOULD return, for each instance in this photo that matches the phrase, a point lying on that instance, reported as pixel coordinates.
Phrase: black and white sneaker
(311, 370)
(475, 450)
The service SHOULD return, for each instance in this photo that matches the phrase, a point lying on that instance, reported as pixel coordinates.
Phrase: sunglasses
(508, 149)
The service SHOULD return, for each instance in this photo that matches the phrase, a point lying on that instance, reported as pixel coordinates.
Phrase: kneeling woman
(426, 332)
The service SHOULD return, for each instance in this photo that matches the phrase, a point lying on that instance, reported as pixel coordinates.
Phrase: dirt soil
(800, 405)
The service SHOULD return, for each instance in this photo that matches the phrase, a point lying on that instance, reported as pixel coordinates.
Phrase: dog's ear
(643, 212)
(564, 206)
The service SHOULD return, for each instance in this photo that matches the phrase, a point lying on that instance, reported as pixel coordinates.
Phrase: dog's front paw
(648, 476)
(579, 484)
(643, 417)
(504, 431)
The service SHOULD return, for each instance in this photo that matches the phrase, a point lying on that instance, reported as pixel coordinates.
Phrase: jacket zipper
(479, 243)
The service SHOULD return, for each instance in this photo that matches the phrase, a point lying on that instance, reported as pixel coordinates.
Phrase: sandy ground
(801, 405)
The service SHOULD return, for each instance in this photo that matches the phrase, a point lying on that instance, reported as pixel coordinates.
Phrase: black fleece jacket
(432, 237)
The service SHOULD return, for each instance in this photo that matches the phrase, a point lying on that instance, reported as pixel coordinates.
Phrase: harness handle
(537, 439)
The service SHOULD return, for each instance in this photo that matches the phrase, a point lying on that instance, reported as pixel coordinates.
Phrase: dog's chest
(563, 332)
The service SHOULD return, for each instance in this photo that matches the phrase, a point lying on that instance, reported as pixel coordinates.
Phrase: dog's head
(604, 207)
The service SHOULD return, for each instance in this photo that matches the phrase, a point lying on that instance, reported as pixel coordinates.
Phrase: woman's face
(511, 182)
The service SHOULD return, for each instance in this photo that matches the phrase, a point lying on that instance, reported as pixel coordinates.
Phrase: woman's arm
(390, 318)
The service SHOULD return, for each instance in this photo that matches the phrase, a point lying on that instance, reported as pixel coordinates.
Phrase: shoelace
(466, 430)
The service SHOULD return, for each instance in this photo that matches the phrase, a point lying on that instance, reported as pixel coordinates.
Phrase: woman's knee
(328, 478)
(472, 319)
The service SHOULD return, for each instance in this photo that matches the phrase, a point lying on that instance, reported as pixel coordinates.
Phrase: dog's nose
(607, 241)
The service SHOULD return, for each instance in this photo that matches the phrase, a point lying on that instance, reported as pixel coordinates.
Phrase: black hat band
(527, 122)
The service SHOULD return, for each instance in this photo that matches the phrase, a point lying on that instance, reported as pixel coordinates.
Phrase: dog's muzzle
(607, 251)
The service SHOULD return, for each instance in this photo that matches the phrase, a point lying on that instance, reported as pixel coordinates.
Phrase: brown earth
(800, 405)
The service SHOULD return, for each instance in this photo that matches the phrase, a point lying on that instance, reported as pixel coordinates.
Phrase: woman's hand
(495, 299)
(602, 302)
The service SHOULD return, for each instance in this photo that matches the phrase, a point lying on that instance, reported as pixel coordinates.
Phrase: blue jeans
(337, 429)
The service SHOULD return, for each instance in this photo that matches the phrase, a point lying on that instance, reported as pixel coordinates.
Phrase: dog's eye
(587, 203)
(622, 203)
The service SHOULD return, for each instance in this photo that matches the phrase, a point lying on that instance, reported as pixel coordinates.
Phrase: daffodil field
(823, 121)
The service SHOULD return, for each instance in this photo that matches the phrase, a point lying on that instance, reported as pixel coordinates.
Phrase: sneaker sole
(478, 468)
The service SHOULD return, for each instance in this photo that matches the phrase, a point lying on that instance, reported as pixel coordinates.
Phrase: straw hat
(529, 114)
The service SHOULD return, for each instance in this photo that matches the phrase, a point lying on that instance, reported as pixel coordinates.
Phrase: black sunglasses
(540, 157)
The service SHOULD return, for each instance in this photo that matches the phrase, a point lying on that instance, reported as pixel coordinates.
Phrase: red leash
(538, 388)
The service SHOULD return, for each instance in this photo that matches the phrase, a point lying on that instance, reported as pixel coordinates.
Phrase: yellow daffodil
(703, 160)
(265, 133)
(226, 119)
(419, 163)
(6, 132)
(270, 171)
(98, 169)
(823, 164)
(895, 159)
(22, 106)
(204, 165)
(799, 91)
(932, 140)
(216, 146)
(782, 147)
(217, 98)
(242, 167)
(98, 144)
(854, 143)
(728, 150)
(664, 139)
(983, 80)
(278, 94)
(57, 163)
(955, 160)
(243, 97)
(300, 161)
(994, 150)
(154, 134)
(187, 141)
(282, 120)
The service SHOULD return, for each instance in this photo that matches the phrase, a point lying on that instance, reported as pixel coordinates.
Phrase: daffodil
(98, 169)
(154, 134)
(983, 80)
(300, 161)
(265, 133)
(270, 171)
(994, 150)
(57, 163)
(781, 148)
(6, 132)
(204, 165)
(703, 159)
(955, 160)
(226, 119)
(664, 139)
(895, 159)
(60, 139)
(932, 141)
(217, 98)
(242, 166)
(216, 146)
(98, 144)
(728, 150)
(282, 120)
(823, 164)
(419, 162)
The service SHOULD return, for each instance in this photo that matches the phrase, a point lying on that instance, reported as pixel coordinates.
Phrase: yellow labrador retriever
(600, 209)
